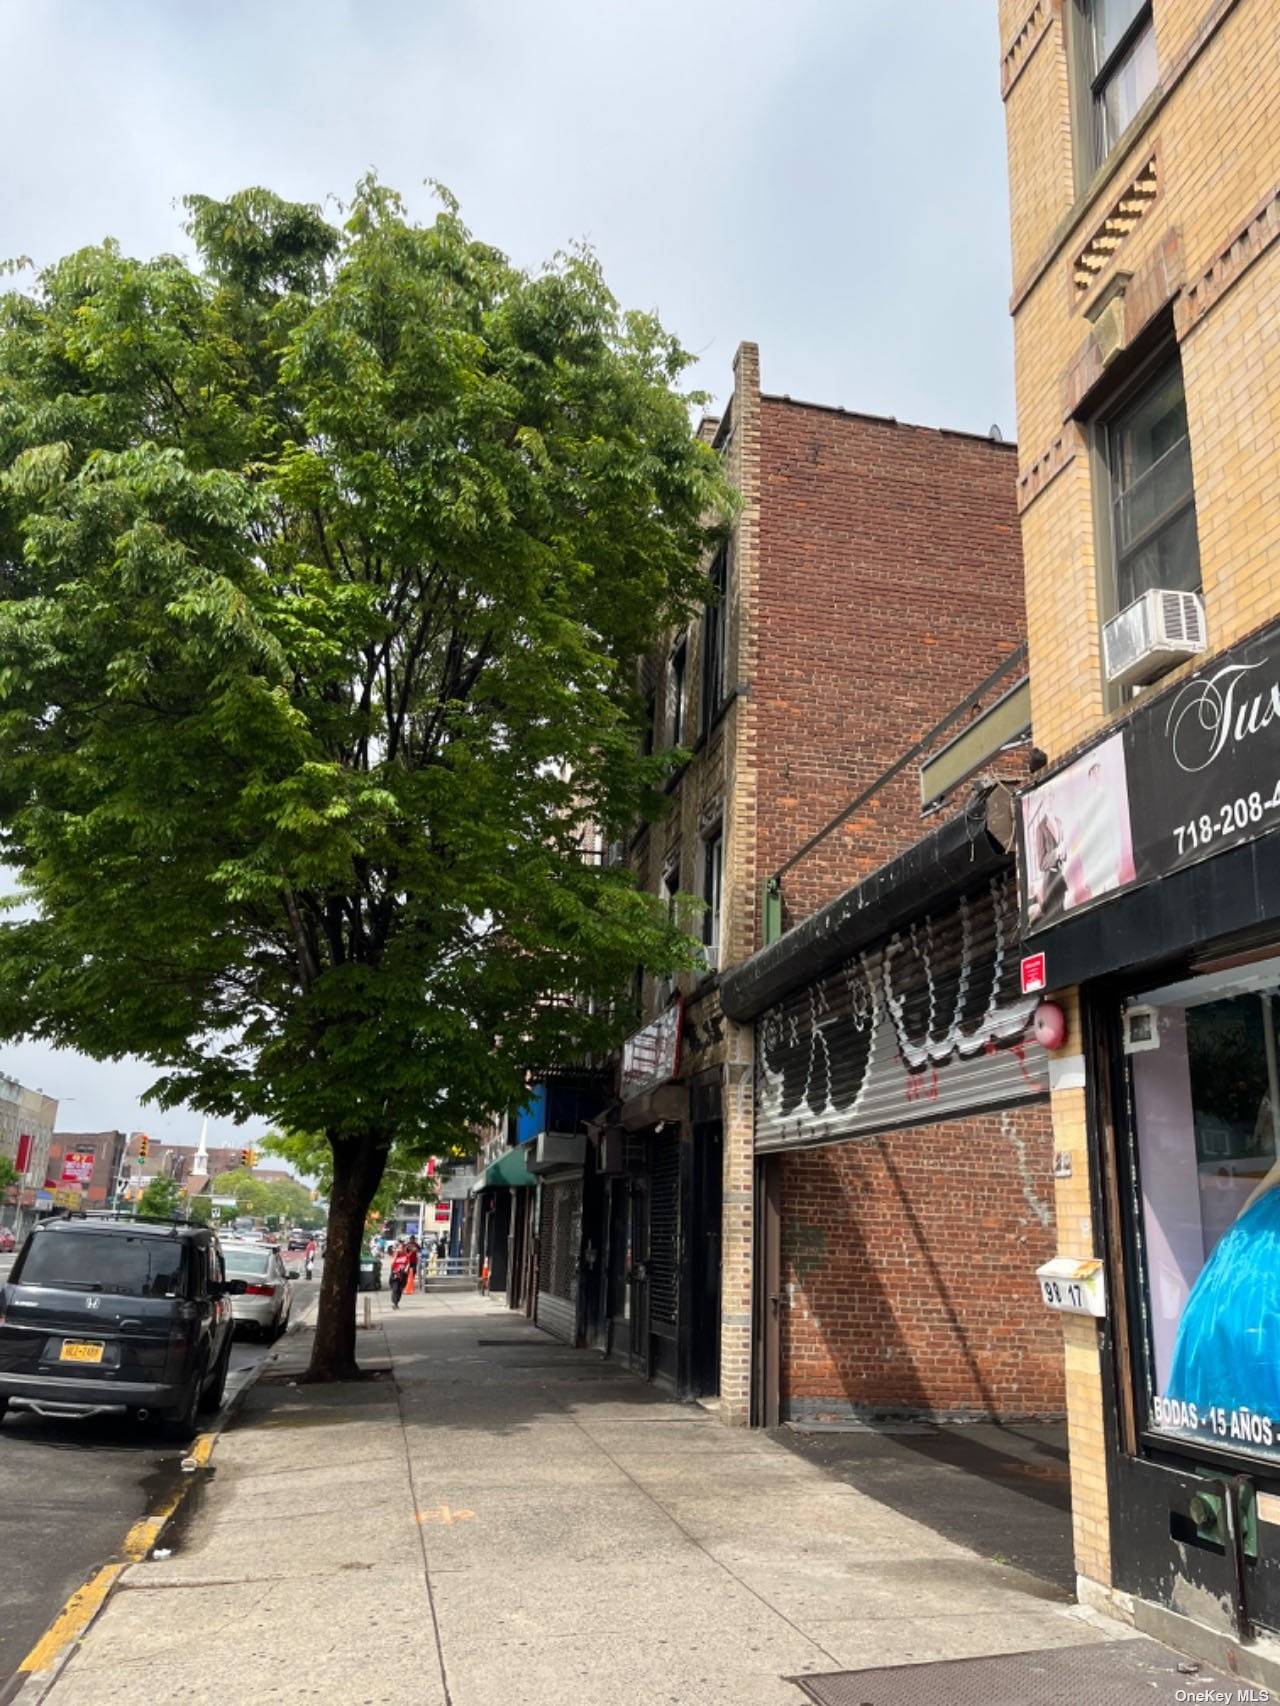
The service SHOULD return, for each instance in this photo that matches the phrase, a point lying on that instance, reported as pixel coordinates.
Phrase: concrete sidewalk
(511, 1521)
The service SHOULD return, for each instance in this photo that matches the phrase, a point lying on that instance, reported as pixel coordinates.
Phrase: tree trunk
(357, 1172)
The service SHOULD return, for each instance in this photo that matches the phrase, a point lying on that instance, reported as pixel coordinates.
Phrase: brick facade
(875, 579)
(891, 587)
(908, 1270)
(1195, 252)
(108, 1150)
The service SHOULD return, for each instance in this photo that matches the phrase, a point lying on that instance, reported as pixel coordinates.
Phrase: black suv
(130, 1315)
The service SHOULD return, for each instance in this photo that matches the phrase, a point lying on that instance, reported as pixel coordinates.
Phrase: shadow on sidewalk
(1003, 1491)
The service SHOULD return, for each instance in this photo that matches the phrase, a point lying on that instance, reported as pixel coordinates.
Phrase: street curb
(55, 1649)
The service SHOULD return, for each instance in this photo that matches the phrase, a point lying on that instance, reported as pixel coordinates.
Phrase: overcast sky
(825, 177)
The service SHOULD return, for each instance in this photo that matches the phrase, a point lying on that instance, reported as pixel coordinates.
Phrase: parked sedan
(267, 1299)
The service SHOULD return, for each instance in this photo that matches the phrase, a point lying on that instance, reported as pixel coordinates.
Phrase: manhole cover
(1134, 1672)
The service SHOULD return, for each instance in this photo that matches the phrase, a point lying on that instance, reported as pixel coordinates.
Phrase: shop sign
(651, 1056)
(66, 1198)
(1033, 974)
(77, 1167)
(927, 1025)
(1190, 773)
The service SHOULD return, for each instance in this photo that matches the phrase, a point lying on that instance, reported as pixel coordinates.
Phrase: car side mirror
(235, 1288)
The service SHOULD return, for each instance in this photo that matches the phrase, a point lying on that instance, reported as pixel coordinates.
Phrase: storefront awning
(509, 1172)
(960, 852)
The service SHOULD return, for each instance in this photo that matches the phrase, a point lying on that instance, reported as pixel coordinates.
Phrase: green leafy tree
(9, 1174)
(161, 1197)
(326, 563)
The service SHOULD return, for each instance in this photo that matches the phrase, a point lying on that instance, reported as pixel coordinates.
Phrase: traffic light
(246, 1158)
(144, 1144)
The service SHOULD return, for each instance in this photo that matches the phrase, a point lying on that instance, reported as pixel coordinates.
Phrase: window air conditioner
(1155, 632)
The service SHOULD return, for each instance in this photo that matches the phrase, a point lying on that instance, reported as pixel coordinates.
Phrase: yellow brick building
(1144, 168)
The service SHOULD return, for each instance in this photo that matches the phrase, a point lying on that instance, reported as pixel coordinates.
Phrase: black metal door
(663, 1270)
(708, 1162)
(638, 1273)
(767, 1298)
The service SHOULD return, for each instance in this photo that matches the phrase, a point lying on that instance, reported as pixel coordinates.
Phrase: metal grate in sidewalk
(1134, 1672)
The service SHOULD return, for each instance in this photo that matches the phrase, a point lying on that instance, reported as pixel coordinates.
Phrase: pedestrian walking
(399, 1274)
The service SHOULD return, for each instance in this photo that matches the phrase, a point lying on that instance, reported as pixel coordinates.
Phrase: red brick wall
(909, 1266)
(890, 586)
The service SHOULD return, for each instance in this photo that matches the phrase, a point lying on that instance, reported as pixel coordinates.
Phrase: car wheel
(181, 1426)
(213, 1394)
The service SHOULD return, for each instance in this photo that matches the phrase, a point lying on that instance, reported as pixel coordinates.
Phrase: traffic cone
(410, 1287)
(484, 1276)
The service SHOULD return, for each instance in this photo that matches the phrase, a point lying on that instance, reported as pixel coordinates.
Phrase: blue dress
(1228, 1346)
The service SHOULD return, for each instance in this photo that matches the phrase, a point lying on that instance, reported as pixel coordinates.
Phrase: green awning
(510, 1171)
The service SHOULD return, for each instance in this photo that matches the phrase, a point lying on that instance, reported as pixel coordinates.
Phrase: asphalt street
(69, 1493)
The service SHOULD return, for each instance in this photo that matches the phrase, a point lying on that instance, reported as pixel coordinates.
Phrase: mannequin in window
(1228, 1346)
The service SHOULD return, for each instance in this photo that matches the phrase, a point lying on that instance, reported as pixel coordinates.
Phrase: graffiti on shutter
(927, 1025)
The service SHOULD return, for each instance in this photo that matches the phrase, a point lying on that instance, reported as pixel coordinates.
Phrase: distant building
(27, 1119)
(86, 1165)
(196, 1168)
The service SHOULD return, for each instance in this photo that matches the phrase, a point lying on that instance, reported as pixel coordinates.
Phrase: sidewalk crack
(422, 1538)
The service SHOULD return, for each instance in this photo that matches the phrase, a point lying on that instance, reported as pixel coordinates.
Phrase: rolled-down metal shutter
(664, 1228)
(928, 1024)
(559, 1235)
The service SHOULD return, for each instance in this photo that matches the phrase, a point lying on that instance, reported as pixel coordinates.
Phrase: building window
(667, 894)
(714, 631)
(677, 674)
(1204, 1087)
(1152, 500)
(646, 733)
(1119, 66)
(712, 894)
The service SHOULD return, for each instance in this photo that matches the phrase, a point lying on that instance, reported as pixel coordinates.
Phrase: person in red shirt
(401, 1266)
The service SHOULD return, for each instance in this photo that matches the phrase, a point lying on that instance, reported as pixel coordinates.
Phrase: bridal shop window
(1205, 1094)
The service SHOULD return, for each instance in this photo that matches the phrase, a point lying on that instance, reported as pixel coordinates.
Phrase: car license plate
(73, 1351)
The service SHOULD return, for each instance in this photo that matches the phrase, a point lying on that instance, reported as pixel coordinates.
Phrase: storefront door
(662, 1270)
(708, 1193)
(1196, 1506)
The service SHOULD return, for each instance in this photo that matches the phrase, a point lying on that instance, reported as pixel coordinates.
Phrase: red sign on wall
(77, 1167)
(1033, 974)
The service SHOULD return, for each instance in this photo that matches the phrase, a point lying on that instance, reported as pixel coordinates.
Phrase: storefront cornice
(961, 852)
